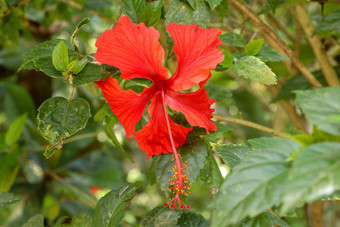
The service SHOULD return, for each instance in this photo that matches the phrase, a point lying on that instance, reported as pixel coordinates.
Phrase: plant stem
(71, 94)
(271, 36)
(251, 125)
(303, 17)
(91, 202)
(79, 137)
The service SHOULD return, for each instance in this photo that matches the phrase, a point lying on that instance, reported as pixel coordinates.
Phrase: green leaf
(82, 220)
(251, 67)
(9, 168)
(194, 151)
(152, 13)
(217, 135)
(191, 219)
(8, 198)
(211, 174)
(74, 40)
(161, 216)
(89, 74)
(253, 47)
(214, 3)
(268, 54)
(330, 24)
(108, 128)
(40, 58)
(232, 153)
(273, 4)
(180, 12)
(35, 221)
(256, 183)
(59, 118)
(133, 9)
(318, 105)
(60, 57)
(315, 174)
(111, 208)
(233, 39)
(264, 219)
(15, 129)
(222, 9)
(228, 59)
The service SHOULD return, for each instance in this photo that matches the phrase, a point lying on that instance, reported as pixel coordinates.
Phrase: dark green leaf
(191, 219)
(253, 47)
(233, 39)
(222, 9)
(90, 73)
(232, 153)
(315, 174)
(161, 216)
(9, 168)
(214, 3)
(318, 105)
(35, 221)
(82, 220)
(273, 4)
(210, 174)
(151, 14)
(194, 151)
(268, 54)
(180, 12)
(251, 67)
(217, 135)
(40, 58)
(111, 208)
(59, 118)
(60, 57)
(7, 198)
(13, 133)
(133, 9)
(256, 183)
(228, 59)
(330, 24)
(264, 219)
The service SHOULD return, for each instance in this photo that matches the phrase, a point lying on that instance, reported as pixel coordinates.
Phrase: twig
(13, 8)
(89, 200)
(71, 94)
(80, 137)
(269, 34)
(251, 125)
(302, 16)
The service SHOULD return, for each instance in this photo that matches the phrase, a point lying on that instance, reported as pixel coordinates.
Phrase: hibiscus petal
(197, 54)
(154, 138)
(195, 106)
(134, 49)
(127, 105)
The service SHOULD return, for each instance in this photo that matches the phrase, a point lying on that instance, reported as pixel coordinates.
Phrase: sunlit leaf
(60, 57)
(253, 47)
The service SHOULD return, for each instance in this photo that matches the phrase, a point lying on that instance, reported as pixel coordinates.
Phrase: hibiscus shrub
(170, 113)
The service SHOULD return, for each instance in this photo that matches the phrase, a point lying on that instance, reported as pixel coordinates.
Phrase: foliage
(64, 156)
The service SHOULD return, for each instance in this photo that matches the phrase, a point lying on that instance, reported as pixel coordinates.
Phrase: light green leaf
(268, 54)
(9, 168)
(133, 9)
(232, 153)
(8, 198)
(256, 183)
(88, 74)
(233, 39)
(60, 57)
(318, 105)
(151, 14)
(214, 3)
(40, 58)
(253, 47)
(228, 59)
(194, 151)
(71, 65)
(251, 67)
(79, 66)
(180, 12)
(59, 118)
(35, 221)
(74, 40)
(161, 216)
(111, 208)
(315, 174)
(15, 129)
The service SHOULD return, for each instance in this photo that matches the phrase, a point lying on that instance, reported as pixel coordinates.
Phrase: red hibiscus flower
(136, 51)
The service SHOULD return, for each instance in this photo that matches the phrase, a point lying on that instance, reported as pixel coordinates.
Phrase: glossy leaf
(211, 174)
(318, 105)
(268, 54)
(7, 198)
(15, 129)
(111, 208)
(253, 68)
(79, 66)
(59, 118)
(233, 39)
(256, 183)
(232, 153)
(194, 151)
(151, 14)
(88, 74)
(253, 47)
(133, 9)
(315, 174)
(35, 221)
(60, 57)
